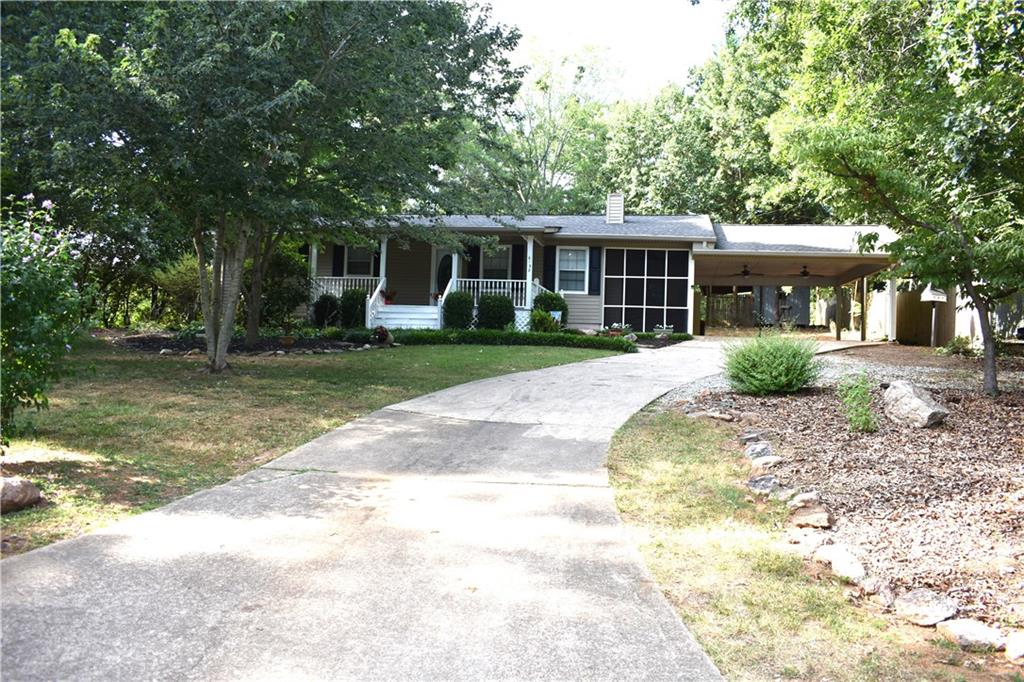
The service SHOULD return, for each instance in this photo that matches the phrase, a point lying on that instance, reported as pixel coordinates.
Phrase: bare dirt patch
(940, 508)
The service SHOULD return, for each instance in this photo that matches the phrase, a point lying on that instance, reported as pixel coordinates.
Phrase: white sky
(646, 43)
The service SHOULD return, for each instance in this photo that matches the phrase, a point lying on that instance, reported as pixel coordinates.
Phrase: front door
(442, 272)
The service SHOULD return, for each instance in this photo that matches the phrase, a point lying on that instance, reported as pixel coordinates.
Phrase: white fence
(336, 286)
(513, 288)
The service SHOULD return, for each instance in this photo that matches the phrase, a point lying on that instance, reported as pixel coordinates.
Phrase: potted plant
(287, 340)
(389, 296)
(618, 329)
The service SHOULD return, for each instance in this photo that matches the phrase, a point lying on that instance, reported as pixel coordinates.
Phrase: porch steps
(407, 317)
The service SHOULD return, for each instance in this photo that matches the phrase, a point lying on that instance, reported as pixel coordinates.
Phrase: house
(645, 271)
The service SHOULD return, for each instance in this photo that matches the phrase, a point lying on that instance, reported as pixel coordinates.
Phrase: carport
(743, 273)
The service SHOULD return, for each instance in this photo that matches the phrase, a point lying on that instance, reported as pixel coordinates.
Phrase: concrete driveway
(466, 534)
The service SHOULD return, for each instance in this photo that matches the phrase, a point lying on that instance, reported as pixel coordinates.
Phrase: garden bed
(941, 507)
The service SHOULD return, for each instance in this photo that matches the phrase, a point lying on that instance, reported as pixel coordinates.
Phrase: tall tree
(910, 113)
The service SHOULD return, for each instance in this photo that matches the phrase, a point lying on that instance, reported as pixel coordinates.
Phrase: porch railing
(374, 301)
(539, 288)
(336, 286)
(516, 289)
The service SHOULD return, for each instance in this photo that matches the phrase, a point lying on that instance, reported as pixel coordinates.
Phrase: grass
(131, 431)
(722, 562)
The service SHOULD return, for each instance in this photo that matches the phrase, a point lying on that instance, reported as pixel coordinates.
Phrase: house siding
(585, 312)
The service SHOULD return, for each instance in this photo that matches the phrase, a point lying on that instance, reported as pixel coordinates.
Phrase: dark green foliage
(495, 311)
(285, 287)
(179, 284)
(771, 364)
(672, 338)
(549, 301)
(484, 337)
(353, 308)
(327, 310)
(855, 392)
(40, 309)
(458, 310)
(541, 321)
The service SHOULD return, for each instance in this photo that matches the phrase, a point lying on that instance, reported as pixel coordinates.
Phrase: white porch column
(892, 310)
(383, 257)
(529, 272)
(455, 269)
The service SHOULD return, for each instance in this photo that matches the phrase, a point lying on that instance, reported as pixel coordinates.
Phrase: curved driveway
(467, 534)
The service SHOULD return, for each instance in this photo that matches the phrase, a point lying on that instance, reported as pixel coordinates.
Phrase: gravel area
(940, 507)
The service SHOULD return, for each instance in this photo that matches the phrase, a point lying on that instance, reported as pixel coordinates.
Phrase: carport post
(892, 310)
(863, 308)
(838, 289)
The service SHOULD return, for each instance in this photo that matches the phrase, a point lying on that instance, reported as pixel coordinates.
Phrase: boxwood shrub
(353, 308)
(458, 310)
(485, 337)
(549, 300)
(495, 311)
(771, 364)
(327, 310)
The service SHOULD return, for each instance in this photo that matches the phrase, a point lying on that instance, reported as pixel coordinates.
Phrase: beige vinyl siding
(409, 273)
(585, 312)
(325, 260)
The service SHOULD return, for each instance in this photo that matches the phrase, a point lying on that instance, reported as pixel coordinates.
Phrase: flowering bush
(40, 307)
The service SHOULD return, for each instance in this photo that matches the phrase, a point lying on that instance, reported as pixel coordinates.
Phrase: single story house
(644, 271)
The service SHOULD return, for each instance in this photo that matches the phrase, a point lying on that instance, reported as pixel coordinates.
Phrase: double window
(571, 272)
(359, 261)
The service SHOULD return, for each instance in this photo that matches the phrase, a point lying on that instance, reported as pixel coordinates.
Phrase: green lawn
(131, 431)
(748, 598)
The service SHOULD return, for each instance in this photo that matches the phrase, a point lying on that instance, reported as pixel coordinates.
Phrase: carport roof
(802, 239)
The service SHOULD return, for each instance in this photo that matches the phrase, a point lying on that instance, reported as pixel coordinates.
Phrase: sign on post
(933, 295)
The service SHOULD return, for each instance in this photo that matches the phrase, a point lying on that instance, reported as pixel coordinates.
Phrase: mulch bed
(940, 507)
(154, 343)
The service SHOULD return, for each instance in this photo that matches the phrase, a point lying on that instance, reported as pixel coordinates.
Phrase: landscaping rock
(761, 448)
(750, 418)
(812, 516)
(367, 346)
(783, 494)
(590, 332)
(971, 634)
(720, 416)
(749, 437)
(763, 485)
(885, 597)
(873, 585)
(841, 560)
(1015, 647)
(166, 351)
(764, 463)
(924, 607)
(18, 493)
(630, 337)
(804, 500)
(194, 351)
(911, 405)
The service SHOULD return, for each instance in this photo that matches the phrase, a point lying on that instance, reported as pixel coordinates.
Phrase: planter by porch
(287, 341)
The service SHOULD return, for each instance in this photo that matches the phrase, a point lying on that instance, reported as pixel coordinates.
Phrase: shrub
(326, 311)
(285, 286)
(353, 308)
(179, 282)
(495, 337)
(541, 321)
(458, 310)
(771, 364)
(40, 308)
(549, 301)
(959, 345)
(495, 311)
(855, 392)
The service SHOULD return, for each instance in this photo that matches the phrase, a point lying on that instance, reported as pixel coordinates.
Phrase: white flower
(47, 204)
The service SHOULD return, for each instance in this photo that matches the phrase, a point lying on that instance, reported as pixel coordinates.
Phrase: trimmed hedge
(651, 336)
(458, 310)
(485, 337)
(496, 311)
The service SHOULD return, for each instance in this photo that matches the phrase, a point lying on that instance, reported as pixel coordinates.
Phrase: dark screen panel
(613, 291)
(677, 318)
(612, 316)
(678, 264)
(655, 292)
(634, 317)
(654, 317)
(613, 259)
(676, 295)
(634, 291)
(655, 263)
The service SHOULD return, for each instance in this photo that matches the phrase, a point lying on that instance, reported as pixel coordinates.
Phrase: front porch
(407, 288)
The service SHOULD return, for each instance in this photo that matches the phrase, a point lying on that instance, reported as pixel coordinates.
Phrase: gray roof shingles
(796, 238)
(688, 227)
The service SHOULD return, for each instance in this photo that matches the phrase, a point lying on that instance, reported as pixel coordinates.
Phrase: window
(647, 288)
(571, 274)
(497, 265)
(359, 261)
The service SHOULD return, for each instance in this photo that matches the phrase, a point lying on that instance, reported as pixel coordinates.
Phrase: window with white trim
(358, 261)
(571, 272)
(497, 265)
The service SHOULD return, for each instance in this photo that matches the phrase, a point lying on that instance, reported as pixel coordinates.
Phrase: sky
(644, 44)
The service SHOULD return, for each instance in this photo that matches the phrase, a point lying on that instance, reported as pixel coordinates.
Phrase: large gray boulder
(972, 635)
(925, 607)
(911, 405)
(18, 493)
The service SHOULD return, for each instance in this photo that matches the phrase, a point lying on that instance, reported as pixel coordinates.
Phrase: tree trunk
(988, 340)
(219, 290)
(263, 245)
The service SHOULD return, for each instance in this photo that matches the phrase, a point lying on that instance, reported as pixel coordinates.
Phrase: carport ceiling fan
(805, 273)
(745, 272)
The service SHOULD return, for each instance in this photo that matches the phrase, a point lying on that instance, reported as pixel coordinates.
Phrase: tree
(40, 307)
(910, 113)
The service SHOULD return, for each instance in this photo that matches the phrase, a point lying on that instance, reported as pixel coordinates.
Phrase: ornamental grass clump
(771, 364)
(855, 392)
